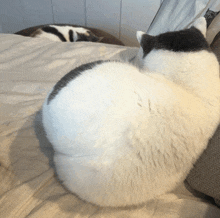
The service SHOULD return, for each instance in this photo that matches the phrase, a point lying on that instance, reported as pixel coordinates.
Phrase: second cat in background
(65, 33)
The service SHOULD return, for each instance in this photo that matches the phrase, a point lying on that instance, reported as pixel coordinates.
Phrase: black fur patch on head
(87, 38)
(70, 76)
(54, 31)
(71, 35)
(188, 40)
(92, 37)
(82, 37)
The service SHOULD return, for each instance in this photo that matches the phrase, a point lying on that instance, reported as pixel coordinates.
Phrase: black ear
(201, 25)
(139, 36)
(146, 41)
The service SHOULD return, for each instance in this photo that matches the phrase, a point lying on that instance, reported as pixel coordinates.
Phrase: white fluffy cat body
(123, 136)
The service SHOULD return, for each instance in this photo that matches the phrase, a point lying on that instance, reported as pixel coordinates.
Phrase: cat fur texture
(124, 135)
(65, 33)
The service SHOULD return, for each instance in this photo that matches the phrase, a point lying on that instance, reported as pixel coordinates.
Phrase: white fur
(123, 136)
(65, 31)
(139, 35)
(200, 24)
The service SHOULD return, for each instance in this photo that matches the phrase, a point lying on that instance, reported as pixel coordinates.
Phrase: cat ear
(139, 35)
(201, 25)
(146, 41)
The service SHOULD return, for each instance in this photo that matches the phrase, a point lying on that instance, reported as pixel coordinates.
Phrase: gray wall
(121, 18)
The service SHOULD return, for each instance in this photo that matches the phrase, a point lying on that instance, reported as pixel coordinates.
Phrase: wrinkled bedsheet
(29, 68)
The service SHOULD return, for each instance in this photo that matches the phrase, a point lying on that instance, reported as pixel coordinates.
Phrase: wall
(121, 18)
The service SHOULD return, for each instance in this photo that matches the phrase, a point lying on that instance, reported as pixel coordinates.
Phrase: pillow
(205, 176)
(29, 68)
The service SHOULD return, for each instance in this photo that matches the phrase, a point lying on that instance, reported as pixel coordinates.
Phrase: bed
(29, 68)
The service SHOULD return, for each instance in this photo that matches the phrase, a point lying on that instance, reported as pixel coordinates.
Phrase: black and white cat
(65, 33)
(123, 135)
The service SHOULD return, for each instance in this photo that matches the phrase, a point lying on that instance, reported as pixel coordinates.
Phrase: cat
(123, 134)
(65, 33)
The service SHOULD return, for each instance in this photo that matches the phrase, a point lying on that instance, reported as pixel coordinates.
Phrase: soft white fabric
(28, 188)
(177, 15)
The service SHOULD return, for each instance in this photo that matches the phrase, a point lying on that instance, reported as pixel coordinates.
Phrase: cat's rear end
(123, 136)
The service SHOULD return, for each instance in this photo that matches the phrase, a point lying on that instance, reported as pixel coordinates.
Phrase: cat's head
(88, 36)
(157, 52)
